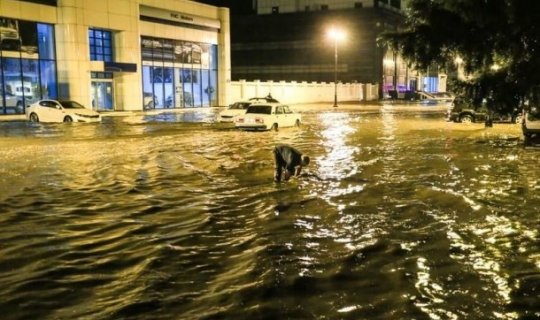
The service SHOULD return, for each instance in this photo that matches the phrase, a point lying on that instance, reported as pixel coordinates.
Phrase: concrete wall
(302, 92)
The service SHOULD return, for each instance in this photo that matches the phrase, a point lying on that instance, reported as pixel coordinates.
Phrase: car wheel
(68, 119)
(34, 117)
(297, 123)
(466, 118)
(274, 127)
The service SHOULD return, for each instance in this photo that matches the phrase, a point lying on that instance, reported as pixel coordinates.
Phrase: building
(113, 55)
(287, 41)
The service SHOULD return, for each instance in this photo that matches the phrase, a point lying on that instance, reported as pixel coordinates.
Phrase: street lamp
(335, 35)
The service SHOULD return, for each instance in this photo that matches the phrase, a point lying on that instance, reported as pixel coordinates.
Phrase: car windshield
(71, 105)
(239, 105)
(260, 109)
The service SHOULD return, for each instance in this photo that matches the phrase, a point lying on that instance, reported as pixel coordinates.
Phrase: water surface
(401, 216)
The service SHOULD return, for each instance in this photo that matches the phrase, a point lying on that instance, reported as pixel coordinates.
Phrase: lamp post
(335, 35)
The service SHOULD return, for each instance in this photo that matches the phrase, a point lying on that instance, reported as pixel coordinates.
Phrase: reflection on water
(399, 216)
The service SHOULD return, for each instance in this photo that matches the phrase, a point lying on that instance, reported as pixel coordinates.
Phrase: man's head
(305, 161)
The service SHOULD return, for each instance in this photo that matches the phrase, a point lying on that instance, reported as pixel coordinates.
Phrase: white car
(235, 109)
(267, 116)
(240, 107)
(60, 111)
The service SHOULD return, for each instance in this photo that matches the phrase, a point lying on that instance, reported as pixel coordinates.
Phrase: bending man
(290, 159)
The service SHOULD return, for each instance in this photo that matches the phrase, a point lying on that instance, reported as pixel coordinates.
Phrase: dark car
(467, 113)
(531, 124)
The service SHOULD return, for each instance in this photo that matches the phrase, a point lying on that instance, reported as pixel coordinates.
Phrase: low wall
(302, 92)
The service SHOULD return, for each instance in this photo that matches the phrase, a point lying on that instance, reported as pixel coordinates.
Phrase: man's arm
(277, 165)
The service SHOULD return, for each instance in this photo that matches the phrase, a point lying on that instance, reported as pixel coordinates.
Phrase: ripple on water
(398, 217)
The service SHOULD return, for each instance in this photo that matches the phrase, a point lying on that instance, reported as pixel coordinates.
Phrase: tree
(497, 41)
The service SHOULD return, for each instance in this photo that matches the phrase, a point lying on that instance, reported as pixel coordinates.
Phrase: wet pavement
(401, 215)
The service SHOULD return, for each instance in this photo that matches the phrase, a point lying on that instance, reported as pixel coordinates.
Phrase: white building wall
(302, 92)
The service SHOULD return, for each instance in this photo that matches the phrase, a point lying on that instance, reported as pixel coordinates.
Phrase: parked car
(235, 109)
(60, 111)
(429, 98)
(531, 124)
(465, 113)
(267, 116)
(240, 107)
(13, 103)
(444, 96)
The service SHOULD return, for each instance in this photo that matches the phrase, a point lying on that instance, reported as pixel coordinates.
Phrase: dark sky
(236, 6)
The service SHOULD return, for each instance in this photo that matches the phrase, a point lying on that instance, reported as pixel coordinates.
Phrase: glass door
(102, 95)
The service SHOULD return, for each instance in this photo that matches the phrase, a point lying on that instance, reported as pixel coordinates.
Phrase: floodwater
(401, 215)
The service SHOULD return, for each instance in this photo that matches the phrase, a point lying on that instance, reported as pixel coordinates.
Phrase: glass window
(207, 90)
(157, 78)
(187, 78)
(13, 84)
(48, 79)
(30, 75)
(197, 88)
(168, 87)
(178, 73)
(213, 88)
(26, 80)
(45, 41)
(101, 46)
(149, 100)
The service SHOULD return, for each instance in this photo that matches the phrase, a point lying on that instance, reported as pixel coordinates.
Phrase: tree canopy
(497, 43)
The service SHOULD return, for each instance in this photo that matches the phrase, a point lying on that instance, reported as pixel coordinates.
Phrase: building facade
(113, 55)
(287, 41)
(288, 6)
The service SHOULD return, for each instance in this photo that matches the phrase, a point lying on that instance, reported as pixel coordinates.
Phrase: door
(102, 95)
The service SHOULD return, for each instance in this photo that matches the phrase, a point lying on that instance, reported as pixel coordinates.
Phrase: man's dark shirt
(286, 157)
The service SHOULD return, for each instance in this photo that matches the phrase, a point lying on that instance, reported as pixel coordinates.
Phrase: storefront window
(149, 99)
(207, 92)
(48, 80)
(157, 76)
(45, 37)
(197, 88)
(178, 73)
(187, 79)
(212, 89)
(28, 68)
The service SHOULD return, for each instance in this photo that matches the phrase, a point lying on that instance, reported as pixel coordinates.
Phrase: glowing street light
(336, 35)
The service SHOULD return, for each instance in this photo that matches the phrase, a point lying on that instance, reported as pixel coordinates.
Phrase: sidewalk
(22, 117)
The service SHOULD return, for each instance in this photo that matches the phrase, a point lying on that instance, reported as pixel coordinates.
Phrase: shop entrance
(102, 95)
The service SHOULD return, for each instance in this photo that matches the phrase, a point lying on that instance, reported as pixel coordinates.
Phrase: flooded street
(402, 215)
